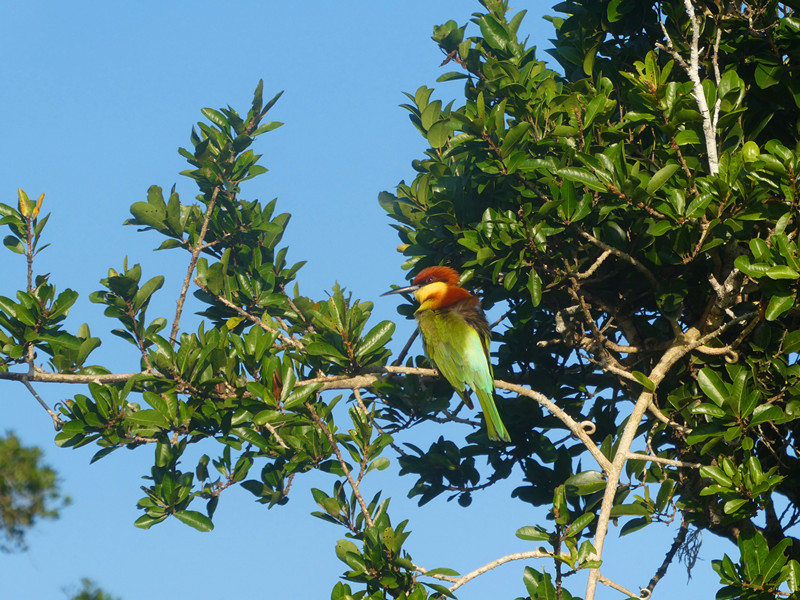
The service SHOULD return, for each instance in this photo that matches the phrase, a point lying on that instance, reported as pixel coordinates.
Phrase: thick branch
(683, 344)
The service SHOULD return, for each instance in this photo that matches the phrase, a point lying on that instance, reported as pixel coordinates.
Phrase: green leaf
(582, 176)
(195, 519)
(513, 136)
(493, 32)
(777, 306)
(441, 571)
(731, 506)
(634, 525)
(13, 244)
(300, 395)
(660, 177)
(713, 386)
(580, 524)
(147, 521)
(782, 272)
(148, 214)
(644, 380)
(585, 483)
(215, 117)
(535, 287)
(534, 534)
(439, 133)
(148, 418)
(377, 337)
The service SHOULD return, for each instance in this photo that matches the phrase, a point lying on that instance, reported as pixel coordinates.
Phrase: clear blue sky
(96, 97)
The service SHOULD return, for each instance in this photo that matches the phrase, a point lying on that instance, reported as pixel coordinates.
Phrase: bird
(456, 336)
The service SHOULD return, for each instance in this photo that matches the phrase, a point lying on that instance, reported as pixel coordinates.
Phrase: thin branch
(406, 348)
(661, 460)
(575, 427)
(58, 423)
(680, 538)
(277, 437)
(692, 69)
(253, 319)
(459, 581)
(48, 377)
(192, 264)
(343, 463)
(368, 379)
(606, 581)
(595, 265)
(621, 255)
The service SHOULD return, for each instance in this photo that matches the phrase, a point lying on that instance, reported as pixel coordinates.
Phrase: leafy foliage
(633, 223)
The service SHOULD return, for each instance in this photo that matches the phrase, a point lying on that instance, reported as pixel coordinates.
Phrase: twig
(562, 416)
(676, 544)
(253, 319)
(664, 461)
(459, 581)
(345, 468)
(192, 264)
(621, 255)
(406, 348)
(590, 271)
(277, 437)
(606, 581)
(57, 422)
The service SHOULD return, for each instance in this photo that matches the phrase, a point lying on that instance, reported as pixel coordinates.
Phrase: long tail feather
(494, 424)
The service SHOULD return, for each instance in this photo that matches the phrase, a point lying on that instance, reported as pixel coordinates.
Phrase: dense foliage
(633, 223)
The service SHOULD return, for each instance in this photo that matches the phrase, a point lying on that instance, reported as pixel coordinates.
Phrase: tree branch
(58, 423)
(693, 72)
(459, 581)
(343, 463)
(192, 264)
(253, 319)
(621, 255)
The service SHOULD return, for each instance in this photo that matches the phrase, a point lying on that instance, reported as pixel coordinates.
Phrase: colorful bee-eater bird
(456, 337)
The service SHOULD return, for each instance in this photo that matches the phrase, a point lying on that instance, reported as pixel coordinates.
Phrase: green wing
(461, 353)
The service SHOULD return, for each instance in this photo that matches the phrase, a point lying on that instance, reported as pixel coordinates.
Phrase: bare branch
(595, 265)
(57, 422)
(459, 581)
(575, 427)
(47, 377)
(621, 255)
(680, 538)
(662, 460)
(692, 69)
(606, 581)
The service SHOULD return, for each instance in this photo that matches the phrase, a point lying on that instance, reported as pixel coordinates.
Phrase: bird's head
(435, 287)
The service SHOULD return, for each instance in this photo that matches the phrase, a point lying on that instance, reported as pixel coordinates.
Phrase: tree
(633, 223)
(90, 591)
(29, 492)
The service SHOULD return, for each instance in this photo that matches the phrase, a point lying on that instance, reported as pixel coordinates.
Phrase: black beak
(409, 288)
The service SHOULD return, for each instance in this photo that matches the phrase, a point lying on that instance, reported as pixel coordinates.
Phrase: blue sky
(96, 99)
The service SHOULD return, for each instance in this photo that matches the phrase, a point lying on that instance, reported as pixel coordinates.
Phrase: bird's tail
(494, 424)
